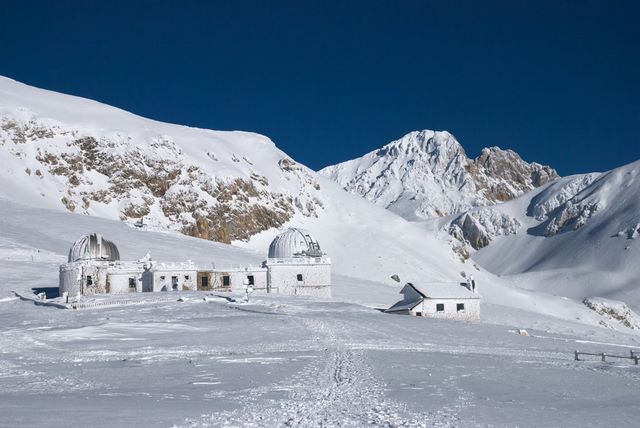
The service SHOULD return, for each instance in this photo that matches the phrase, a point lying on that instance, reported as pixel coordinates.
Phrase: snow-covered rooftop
(452, 290)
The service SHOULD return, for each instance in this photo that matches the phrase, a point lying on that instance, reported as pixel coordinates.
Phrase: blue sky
(556, 81)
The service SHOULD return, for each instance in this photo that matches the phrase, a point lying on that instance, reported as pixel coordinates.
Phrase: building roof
(93, 247)
(452, 290)
(294, 242)
(403, 306)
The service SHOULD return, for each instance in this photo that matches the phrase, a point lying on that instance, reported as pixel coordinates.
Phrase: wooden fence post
(603, 356)
(577, 359)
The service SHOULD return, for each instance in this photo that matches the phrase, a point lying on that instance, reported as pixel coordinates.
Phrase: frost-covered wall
(300, 277)
(429, 308)
(70, 279)
(125, 280)
(233, 279)
(169, 278)
(259, 278)
(85, 277)
(97, 277)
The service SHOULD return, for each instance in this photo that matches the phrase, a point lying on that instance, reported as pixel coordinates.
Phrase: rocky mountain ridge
(428, 174)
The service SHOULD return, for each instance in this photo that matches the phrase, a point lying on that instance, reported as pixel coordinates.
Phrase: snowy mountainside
(575, 237)
(80, 156)
(71, 154)
(427, 174)
(74, 154)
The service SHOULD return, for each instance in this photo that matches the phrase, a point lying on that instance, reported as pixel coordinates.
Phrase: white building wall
(427, 308)
(70, 280)
(85, 277)
(161, 279)
(238, 279)
(316, 279)
(119, 281)
(106, 277)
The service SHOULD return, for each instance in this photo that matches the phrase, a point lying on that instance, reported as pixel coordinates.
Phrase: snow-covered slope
(34, 242)
(70, 154)
(427, 174)
(73, 154)
(280, 360)
(575, 237)
(209, 360)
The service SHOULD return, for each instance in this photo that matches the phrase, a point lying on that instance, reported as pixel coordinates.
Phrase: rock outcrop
(131, 176)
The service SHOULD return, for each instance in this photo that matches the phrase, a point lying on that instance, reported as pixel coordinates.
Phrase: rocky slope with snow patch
(427, 174)
(97, 160)
(613, 312)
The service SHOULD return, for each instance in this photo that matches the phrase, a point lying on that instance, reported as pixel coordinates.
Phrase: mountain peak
(427, 173)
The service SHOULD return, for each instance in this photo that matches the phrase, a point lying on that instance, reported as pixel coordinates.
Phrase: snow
(199, 359)
(338, 219)
(427, 174)
(615, 311)
(443, 291)
(284, 360)
(588, 257)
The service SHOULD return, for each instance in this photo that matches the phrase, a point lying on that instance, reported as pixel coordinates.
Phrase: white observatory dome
(93, 247)
(294, 243)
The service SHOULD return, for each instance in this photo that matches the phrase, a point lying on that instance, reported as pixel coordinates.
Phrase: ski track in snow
(340, 388)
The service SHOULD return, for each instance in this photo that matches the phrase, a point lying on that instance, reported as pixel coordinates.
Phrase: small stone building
(450, 301)
(297, 266)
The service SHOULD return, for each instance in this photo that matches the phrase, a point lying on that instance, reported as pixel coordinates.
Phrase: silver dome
(294, 243)
(93, 247)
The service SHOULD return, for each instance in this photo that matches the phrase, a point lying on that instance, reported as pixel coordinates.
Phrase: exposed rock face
(151, 176)
(478, 227)
(427, 174)
(613, 311)
(567, 206)
(544, 204)
(501, 175)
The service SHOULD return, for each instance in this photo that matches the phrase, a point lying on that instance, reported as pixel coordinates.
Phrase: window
(299, 276)
(460, 307)
(186, 277)
(204, 281)
(174, 282)
(162, 277)
(89, 280)
(226, 281)
(132, 282)
(439, 307)
(250, 280)
(418, 314)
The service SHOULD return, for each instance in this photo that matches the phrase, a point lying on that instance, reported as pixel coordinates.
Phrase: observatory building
(295, 266)
(94, 267)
